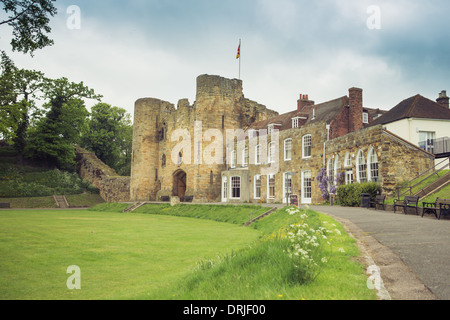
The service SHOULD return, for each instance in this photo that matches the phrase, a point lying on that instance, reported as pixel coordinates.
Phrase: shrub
(350, 195)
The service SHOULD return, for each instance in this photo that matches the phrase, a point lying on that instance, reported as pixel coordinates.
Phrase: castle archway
(179, 184)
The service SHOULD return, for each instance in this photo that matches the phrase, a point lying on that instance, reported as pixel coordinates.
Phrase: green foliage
(108, 133)
(29, 20)
(350, 195)
(16, 183)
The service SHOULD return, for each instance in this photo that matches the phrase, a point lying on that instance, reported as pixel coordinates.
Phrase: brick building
(228, 148)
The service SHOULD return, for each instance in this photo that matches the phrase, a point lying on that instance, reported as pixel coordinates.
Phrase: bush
(350, 195)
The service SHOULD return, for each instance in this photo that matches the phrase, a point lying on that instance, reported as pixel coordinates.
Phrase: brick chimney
(355, 112)
(304, 102)
(443, 100)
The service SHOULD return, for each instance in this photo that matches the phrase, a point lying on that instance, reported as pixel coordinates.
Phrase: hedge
(350, 195)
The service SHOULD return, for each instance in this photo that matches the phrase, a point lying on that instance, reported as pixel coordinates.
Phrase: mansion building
(187, 152)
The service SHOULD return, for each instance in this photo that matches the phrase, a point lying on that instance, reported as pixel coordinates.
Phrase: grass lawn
(121, 256)
(163, 252)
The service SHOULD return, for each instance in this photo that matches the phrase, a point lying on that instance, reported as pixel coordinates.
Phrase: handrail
(406, 185)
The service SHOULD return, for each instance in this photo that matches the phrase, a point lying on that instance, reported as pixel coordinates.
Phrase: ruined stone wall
(113, 188)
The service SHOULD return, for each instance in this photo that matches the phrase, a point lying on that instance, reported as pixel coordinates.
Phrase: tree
(29, 20)
(108, 134)
(52, 139)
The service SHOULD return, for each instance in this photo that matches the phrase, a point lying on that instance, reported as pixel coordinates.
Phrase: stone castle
(185, 152)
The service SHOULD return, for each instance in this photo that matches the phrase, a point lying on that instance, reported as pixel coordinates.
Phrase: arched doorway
(179, 184)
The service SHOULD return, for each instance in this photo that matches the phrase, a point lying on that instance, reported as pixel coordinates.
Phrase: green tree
(29, 20)
(108, 134)
(52, 139)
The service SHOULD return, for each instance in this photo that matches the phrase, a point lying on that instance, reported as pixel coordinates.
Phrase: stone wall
(113, 188)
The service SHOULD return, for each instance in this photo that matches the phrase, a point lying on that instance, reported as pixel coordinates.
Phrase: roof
(326, 111)
(414, 107)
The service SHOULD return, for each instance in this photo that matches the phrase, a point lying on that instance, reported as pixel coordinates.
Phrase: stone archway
(179, 184)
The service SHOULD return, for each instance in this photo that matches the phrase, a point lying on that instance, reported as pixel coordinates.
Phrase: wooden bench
(434, 207)
(407, 202)
(444, 208)
(379, 201)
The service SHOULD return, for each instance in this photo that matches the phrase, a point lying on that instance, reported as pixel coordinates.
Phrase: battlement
(216, 86)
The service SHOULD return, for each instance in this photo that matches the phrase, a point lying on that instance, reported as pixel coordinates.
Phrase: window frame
(287, 142)
(306, 146)
(234, 186)
(255, 187)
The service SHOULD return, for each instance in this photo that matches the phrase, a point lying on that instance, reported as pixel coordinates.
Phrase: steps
(134, 206)
(260, 217)
(61, 202)
(434, 187)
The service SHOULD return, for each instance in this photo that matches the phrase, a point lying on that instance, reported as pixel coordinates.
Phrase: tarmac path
(413, 253)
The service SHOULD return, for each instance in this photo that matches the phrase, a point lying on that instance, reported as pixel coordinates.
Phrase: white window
(372, 159)
(257, 187)
(224, 189)
(361, 167)
(306, 187)
(233, 159)
(271, 186)
(236, 187)
(426, 140)
(330, 172)
(337, 168)
(287, 186)
(349, 177)
(245, 158)
(295, 122)
(307, 146)
(271, 152)
(365, 117)
(287, 149)
(348, 160)
(258, 154)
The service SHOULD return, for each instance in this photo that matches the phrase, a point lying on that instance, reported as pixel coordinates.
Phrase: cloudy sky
(127, 50)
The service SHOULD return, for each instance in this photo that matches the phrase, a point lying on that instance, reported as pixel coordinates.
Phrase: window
(287, 149)
(373, 165)
(257, 191)
(236, 187)
(233, 159)
(365, 117)
(245, 158)
(348, 160)
(361, 167)
(337, 169)
(180, 158)
(349, 177)
(295, 122)
(426, 140)
(271, 186)
(287, 184)
(224, 188)
(306, 187)
(307, 146)
(163, 161)
(258, 154)
(272, 152)
(270, 129)
(330, 172)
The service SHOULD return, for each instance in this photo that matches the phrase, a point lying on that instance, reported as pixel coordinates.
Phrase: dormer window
(365, 117)
(295, 122)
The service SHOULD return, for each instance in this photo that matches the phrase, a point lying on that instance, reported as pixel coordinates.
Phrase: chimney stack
(443, 100)
(304, 102)
(355, 112)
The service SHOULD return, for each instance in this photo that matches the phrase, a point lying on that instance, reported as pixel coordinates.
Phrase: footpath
(412, 253)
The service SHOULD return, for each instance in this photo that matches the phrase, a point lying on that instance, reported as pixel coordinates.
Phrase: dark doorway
(179, 184)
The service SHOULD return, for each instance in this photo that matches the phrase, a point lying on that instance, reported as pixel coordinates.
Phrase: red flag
(239, 52)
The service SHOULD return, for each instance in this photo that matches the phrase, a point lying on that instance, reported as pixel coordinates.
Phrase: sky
(126, 50)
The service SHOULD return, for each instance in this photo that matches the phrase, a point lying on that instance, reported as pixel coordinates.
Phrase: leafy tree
(108, 134)
(29, 20)
(52, 139)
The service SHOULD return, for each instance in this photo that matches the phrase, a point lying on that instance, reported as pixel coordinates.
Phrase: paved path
(422, 245)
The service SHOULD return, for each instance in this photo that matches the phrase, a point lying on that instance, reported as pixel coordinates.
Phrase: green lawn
(181, 252)
(121, 256)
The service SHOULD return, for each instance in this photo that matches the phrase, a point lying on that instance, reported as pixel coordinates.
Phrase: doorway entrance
(179, 184)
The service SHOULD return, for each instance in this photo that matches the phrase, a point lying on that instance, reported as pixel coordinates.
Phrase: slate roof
(326, 111)
(414, 107)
